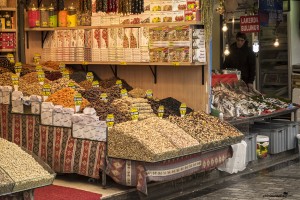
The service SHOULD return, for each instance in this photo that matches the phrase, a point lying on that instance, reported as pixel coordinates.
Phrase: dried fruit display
(5, 79)
(63, 83)
(112, 82)
(22, 168)
(207, 130)
(137, 93)
(150, 140)
(33, 78)
(65, 97)
(53, 75)
(30, 89)
(86, 84)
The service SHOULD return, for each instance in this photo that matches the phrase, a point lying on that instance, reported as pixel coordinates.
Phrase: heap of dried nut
(112, 82)
(86, 84)
(22, 168)
(32, 78)
(30, 89)
(149, 140)
(63, 83)
(5, 79)
(65, 97)
(207, 130)
(137, 93)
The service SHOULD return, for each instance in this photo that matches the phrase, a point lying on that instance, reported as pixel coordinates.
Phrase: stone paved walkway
(280, 182)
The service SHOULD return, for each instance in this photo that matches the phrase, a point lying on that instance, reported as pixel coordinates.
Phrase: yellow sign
(110, 120)
(38, 68)
(95, 83)
(41, 76)
(161, 111)
(62, 67)
(85, 63)
(123, 63)
(149, 94)
(66, 74)
(78, 99)
(182, 109)
(103, 97)
(46, 90)
(90, 76)
(11, 58)
(175, 63)
(71, 85)
(18, 67)
(119, 83)
(15, 79)
(124, 93)
(36, 58)
(134, 113)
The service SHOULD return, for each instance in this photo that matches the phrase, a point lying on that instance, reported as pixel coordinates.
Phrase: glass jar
(33, 17)
(8, 24)
(72, 16)
(44, 16)
(2, 18)
(52, 16)
(62, 18)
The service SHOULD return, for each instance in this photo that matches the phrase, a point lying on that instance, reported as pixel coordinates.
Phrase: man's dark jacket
(242, 59)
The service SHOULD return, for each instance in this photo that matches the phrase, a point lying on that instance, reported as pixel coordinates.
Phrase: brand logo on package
(249, 24)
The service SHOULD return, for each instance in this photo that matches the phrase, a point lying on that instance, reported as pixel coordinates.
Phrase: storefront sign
(249, 24)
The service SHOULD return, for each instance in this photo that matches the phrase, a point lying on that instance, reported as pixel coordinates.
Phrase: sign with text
(249, 24)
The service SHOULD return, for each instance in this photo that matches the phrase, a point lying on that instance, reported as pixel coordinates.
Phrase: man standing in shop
(242, 58)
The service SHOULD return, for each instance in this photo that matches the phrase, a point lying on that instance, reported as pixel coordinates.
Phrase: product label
(41, 76)
(134, 114)
(36, 58)
(11, 58)
(123, 63)
(124, 93)
(78, 99)
(46, 90)
(182, 109)
(103, 97)
(71, 85)
(149, 94)
(95, 83)
(62, 67)
(66, 74)
(161, 111)
(15, 79)
(90, 76)
(85, 63)
(18, 67)
(119, 83)
(39, 68)
(110, 120)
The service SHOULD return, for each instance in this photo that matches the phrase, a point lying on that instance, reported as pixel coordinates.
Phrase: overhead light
(226, 51)
(255, 45)
(276, 43)
(224, 28)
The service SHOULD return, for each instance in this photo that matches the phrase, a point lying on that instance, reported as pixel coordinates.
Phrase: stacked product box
(80, 45)
(62, 116)
(16, 102)
(96, 45)
(7, 40)
(198, 51)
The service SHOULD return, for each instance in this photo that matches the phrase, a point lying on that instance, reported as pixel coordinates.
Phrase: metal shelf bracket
(114, 69)
(154, 73)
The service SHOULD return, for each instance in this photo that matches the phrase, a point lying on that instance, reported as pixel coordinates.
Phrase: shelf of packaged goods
(8, 30)
(7, 50)
(121, 63)
(117, 26)
(8, 9)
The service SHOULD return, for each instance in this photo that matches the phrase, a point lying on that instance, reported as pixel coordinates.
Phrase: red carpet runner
(54, 192)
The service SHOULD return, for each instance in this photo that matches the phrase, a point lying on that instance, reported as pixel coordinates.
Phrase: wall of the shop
(295, 32)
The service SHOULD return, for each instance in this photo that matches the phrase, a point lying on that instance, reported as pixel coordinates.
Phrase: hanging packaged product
(62, 18)
(52, 16)
(44, 12)
(33, 17)
(11, 58)
(8, 23)
(18, 68)
(71, 16)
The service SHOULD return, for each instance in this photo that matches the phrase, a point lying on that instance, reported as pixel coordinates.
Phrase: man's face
(240, 42)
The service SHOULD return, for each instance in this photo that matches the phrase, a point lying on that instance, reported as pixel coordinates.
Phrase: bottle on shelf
(8, 24)
(33, 17)
(52, 16)
(44, 16)
(72, 16)
(62, 18)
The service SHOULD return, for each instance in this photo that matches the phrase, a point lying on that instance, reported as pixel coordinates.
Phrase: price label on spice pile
(124, 93)
(103, 97)
(66, 74)
(38, 68)
(15, 79)
(78, 99)
(11, 58)
(119, 83)
(41, 76)
(36, 58)
(161, 111)
(46, 90)
(95, 83)
(71, 85)
(182, 109)
(110, 120)
(134, 113)
(62, 67)
(149, 94)
(18, 68)
(90, 76)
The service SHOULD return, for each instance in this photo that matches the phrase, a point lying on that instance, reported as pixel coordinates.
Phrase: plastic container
(33, 17)
(251, 147)
(62, 18)
(52, 16)
(44, 12)
(262, 146)
(72, 16)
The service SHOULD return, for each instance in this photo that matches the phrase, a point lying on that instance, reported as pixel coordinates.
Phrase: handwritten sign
(249, 24)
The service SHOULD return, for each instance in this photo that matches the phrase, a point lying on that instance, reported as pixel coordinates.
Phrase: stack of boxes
(7, 40)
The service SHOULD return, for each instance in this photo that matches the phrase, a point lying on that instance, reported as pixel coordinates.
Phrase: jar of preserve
(52, 16)
(33, 17)
(44, 12)
(72, 16)
(62, 18)
(8, 23)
